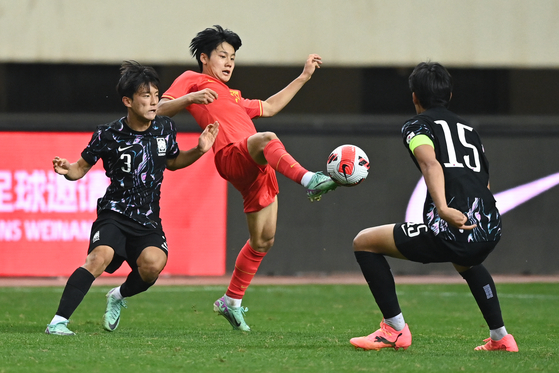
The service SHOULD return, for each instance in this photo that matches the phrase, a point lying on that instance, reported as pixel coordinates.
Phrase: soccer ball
(348, 165)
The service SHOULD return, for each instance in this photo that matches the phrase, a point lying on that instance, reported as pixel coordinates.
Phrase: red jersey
(233, 112)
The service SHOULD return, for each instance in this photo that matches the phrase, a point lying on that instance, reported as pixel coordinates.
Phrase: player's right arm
(170, 107)
(434, 179)
(71, 171)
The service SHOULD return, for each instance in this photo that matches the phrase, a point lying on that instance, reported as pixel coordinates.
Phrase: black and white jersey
(460, 152)
(134, 162)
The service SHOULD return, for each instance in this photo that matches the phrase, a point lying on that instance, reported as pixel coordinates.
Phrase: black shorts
(419, 244)
(126, 237)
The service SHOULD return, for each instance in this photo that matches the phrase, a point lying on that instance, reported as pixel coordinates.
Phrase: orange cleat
(507, 343)
(385, 337)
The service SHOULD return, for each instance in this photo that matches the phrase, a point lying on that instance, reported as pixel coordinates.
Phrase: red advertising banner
(45, 220)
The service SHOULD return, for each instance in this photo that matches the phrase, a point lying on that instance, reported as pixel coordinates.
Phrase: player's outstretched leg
(235, 315)
(60, 328)
(507, 343)
(111, 318)
(385, 337)
(320, 184)
(281, 161)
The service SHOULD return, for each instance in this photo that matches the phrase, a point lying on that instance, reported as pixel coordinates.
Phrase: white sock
(498, 334)
(232, 302)
(116, 293)
(307, 178)
(397, 322)
(56, 319)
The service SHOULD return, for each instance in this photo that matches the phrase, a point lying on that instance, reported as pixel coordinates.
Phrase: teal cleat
(233, 314)
(111, 318)
(320, 184)
(60, 328)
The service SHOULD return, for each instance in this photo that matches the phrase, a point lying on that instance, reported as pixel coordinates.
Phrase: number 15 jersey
(459, 150)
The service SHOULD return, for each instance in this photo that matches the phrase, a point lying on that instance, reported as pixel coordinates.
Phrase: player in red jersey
(244, 157)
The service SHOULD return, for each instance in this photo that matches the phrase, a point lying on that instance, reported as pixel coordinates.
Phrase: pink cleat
(385, 337)
(507, 343)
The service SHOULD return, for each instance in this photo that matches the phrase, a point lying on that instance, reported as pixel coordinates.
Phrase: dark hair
(209, 39)
(432, 84)
(133, 77)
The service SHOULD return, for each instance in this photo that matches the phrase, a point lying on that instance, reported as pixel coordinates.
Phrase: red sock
(246, 267)
(282, 161)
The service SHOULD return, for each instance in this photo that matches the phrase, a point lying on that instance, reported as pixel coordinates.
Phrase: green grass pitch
(296, 328)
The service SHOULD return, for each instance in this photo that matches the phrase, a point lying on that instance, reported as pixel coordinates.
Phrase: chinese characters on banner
(45, 220)
(26, 193)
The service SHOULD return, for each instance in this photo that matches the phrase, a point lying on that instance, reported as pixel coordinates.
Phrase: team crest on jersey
(161, 146)
(236, 95)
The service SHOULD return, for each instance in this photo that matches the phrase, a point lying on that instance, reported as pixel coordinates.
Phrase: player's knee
(263, 245)
(269, 136)
(265, 138)
(266, 246)
(359, 242)
(98, 260)
(150, 264)
(363, 243)
(257, 143)
(270, 243)
(150, 272)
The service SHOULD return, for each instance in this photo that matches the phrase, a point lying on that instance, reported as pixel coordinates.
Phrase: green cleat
(233, 314)
(60, 328)
(320, 184)
(111, 318)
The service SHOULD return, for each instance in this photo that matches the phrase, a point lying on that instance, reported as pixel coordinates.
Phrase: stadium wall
(316, 238)
(61, 57)
(473, 33)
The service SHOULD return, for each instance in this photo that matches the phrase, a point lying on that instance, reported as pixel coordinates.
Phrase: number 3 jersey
(134, 162)
(460, 152)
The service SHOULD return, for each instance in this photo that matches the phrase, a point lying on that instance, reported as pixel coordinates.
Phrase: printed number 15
(452, 158)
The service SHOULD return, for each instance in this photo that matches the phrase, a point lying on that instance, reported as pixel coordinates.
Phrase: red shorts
(257, 183)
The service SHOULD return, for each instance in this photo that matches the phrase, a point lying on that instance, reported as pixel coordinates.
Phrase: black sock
(378, 275)
(134, 284)
(75, 290)
(483, 289)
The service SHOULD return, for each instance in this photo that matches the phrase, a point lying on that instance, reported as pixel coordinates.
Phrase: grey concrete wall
(497, 33)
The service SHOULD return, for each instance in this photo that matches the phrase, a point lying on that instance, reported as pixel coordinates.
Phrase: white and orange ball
(348, 165)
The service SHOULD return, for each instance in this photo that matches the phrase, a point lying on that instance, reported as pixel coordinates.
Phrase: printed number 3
(452, 158)
(127, 162)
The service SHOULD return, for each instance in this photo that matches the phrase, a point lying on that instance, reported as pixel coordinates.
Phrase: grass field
(296, 328)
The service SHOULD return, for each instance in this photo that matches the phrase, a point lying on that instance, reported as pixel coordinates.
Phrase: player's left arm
(277, 102)
(434, 178)
(187, 157)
